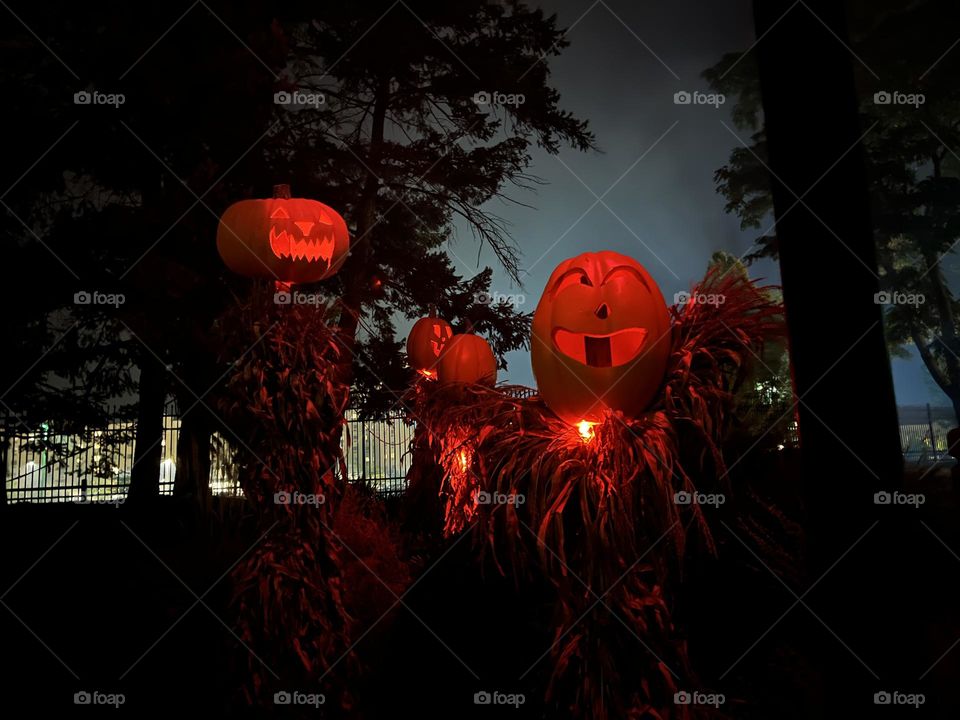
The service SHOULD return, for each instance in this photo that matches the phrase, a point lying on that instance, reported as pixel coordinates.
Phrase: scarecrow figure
(589, 485)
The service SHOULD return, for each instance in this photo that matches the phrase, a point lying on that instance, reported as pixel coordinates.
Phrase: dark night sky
(625, 62)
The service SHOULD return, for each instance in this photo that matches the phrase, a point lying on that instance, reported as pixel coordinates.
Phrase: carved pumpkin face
(424, 343)
(467, 359)
(282, 238)
(601, 338)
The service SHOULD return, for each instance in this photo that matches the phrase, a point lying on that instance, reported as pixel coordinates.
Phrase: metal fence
(94, 465)
(377, 452)
(923, 434)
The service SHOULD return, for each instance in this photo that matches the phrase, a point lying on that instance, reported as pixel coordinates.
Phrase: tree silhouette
(430, 111)
(126, 199)
(913, 172)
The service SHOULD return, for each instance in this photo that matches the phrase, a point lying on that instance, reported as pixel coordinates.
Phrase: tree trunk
(949, 384)
(193, 456)
(4, 454)
(145, 474)
(833, 349)
(357, 271)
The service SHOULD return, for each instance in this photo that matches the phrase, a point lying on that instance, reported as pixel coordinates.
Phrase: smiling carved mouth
(286, 246)
(601, 351)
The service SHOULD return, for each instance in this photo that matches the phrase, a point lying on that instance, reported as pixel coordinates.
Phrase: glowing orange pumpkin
(601, 338)
(467, 358)
(287, 239)
(424, 343)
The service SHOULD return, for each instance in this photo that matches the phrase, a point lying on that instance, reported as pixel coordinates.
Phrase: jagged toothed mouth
(285, 247)
(601, 351)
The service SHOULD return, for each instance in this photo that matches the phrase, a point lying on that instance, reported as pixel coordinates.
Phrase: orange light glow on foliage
(460, 484)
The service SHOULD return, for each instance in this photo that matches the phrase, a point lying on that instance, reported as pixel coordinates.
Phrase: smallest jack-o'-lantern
(467, 359)
(425, 343)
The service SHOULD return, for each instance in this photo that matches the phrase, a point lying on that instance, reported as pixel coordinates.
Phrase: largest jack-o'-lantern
(601, 338)
(291, 240)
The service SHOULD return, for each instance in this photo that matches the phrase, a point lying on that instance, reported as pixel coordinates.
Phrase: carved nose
(602, 311)
(305, 227)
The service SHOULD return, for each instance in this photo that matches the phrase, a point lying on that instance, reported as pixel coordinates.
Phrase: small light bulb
(585, 428)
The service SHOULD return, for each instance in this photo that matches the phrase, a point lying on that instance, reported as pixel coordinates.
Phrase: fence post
(4, 454)
(363, 451)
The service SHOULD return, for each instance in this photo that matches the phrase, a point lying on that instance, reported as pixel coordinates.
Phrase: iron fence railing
(377, 452)
(95, 465)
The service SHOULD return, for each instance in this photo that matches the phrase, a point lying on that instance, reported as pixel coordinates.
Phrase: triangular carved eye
(279, 212)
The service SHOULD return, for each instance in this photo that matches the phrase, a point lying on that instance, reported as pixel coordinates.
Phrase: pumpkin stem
(281, 191)
(432, 310)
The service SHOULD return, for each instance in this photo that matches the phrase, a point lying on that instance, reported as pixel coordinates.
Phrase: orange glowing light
(464, 460)
(585, 428)
(428, 373)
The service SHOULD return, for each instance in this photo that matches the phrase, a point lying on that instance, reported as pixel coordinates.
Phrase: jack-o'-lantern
(467, 358)
(601, 338)
(425, 342)
(291, 240)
